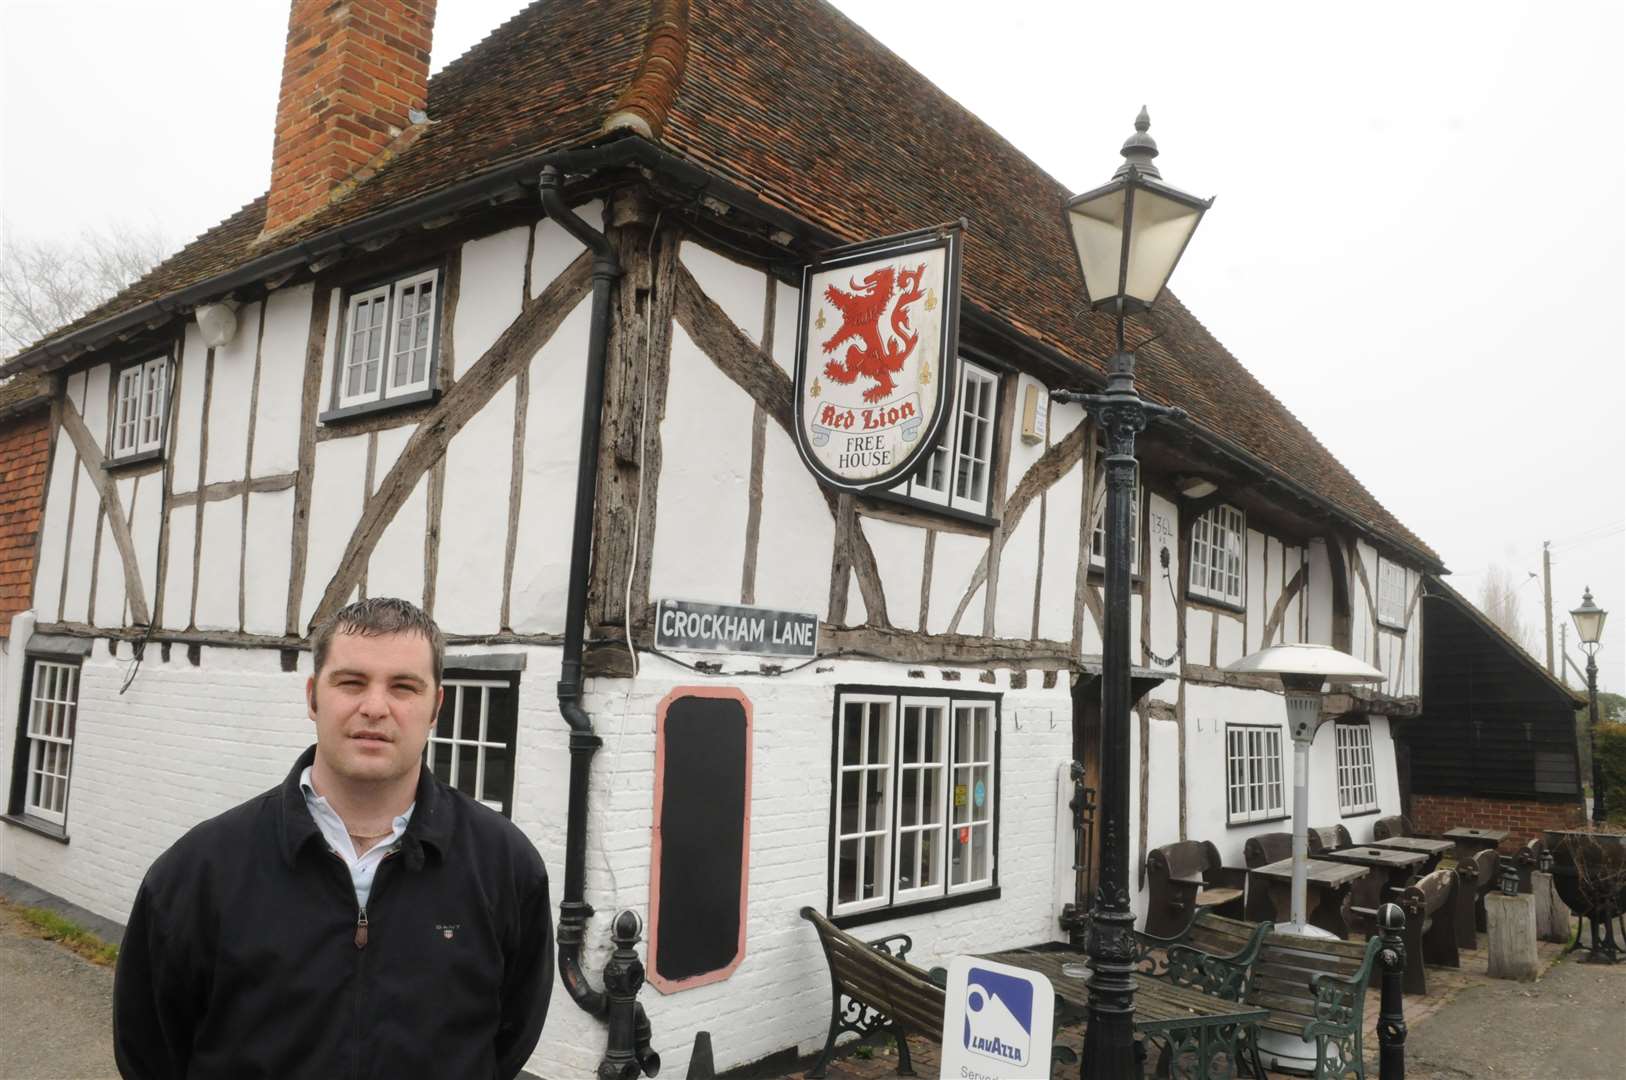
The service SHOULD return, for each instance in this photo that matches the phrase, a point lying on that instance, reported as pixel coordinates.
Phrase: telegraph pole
(1547, 596)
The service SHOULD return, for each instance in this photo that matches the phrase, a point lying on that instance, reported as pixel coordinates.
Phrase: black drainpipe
(628, 1052)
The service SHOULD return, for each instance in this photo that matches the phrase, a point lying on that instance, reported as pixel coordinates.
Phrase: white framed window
(388, 348)
(1253, 774)
(1357, 783)
(53, 706)
(472, 746)
(958, 473)
(1391, 594)
(914, 799)
(1219, 555)
(138, 408)
(1098, 535)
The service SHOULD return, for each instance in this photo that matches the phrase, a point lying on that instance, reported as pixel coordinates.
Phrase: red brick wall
(25, 451)
(1523, 819)
(350, 73)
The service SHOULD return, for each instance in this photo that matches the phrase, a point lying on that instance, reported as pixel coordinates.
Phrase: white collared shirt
(362, 867)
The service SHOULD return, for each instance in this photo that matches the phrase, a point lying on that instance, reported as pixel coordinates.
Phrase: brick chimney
(352, 71)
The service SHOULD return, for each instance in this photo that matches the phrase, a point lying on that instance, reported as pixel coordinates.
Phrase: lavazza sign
(875, 357)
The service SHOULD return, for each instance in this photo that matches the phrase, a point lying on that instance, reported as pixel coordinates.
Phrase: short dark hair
(379, 615)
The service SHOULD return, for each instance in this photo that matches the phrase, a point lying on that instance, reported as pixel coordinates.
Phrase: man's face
(374, 704)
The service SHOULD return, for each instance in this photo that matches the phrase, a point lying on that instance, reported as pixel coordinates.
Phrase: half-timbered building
(371, 382)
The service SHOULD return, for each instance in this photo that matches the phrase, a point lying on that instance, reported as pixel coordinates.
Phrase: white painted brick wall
(188, 742)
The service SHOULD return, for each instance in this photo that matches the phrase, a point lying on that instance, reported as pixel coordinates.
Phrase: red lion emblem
(861, 312)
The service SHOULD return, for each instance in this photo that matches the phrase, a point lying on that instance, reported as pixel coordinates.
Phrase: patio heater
(1303, 670)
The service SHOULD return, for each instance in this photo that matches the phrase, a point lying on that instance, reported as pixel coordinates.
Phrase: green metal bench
(1315, 989)
(1212, 953)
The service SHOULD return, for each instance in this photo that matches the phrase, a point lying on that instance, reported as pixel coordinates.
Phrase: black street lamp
(1589, 619)
(1129, 235)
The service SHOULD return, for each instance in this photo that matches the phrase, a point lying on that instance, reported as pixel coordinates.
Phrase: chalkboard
(701, 836)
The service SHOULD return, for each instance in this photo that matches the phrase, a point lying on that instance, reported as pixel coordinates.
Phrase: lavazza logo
(999, 1017)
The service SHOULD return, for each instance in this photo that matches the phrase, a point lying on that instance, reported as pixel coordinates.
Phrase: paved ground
(56, 1009)
(1570, 1024)
(55, 1021)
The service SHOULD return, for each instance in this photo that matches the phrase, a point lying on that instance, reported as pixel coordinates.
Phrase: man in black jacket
(361, 920)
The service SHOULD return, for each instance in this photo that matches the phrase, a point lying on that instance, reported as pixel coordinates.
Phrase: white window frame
(1098, 534)
(1254, 788)
(53, 708)
(387, 299)
(959, 472)
(139, 404)
(931, 791)
(1357, 774)
(1216, 570)
(475, 693)
(1391, 594)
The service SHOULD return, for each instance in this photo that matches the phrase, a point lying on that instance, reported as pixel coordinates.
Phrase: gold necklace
(374, 836)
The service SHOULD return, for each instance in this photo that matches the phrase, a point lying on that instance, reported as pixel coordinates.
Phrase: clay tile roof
(793, 102)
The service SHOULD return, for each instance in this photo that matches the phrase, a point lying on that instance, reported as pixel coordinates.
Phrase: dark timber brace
(628, 1052)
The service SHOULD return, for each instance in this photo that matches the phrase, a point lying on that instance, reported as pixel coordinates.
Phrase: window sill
(1346, 815)
(1218, 605)
(890, 498)
(368, 408)
(1229, 824)
(1397, 628)
(130, 461)
(917, 907)
(36, 825)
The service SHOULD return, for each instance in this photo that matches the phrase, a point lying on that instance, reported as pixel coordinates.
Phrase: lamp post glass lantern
(1589, 619)
(1129, 234)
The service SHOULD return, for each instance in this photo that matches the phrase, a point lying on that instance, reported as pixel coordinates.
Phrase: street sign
(998, 1022)
(732, 628)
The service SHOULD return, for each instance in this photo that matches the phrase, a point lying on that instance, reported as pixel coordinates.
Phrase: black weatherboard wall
(1493, 721)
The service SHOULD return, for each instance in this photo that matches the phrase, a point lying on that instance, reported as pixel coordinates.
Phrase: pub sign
(875, 356)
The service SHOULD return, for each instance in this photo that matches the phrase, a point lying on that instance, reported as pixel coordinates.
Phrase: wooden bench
(1315, 989)
(1387, 828)
(874, 988)
(1213, 954)
(1330, 837)
(1430, 904)
(1476, 876)
(1186, 877)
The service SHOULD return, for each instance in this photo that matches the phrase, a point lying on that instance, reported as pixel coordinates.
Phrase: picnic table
(1391, 869)
(1327, 887)
(1179, 1020)
(1469, 840)
(1434, 849)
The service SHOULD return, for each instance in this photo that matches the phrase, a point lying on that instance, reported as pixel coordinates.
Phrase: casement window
(139, 401)
(1391, 594)
(915, 809)
(472, 746)
(44, 762)
(388, 347)
(1098, 537)
(1357, 784)
(958, 473)
(1218, 554)
(1253, 774)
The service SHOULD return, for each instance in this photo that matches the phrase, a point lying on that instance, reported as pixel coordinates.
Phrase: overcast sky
(1418, 244)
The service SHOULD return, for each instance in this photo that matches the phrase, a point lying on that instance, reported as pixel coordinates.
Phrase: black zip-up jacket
(246, 956)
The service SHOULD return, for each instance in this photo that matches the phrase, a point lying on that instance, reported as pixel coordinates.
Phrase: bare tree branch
(45, 284)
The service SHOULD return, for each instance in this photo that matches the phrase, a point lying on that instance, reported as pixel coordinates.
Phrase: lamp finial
(1139, 149)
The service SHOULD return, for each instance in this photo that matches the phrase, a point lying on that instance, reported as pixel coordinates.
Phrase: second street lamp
(1589, 628)
(1129, 234)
